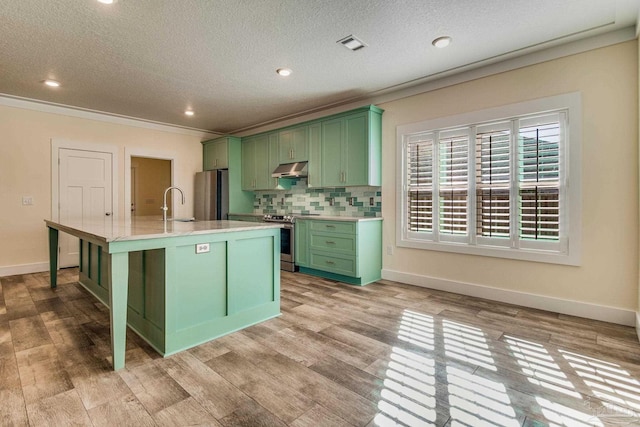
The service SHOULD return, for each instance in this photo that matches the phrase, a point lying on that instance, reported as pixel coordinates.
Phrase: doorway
(84, 190)
(149, 179)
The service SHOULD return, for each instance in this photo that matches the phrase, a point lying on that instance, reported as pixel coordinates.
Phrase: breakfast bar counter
(180, 284)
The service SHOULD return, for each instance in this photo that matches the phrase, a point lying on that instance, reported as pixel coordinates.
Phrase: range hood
(290, 170)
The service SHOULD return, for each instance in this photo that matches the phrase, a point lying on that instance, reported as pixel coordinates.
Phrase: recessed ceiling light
(52, 83)
(352, 43)
(441, 42)
(107, 1)
(284, 72)
(189, 113)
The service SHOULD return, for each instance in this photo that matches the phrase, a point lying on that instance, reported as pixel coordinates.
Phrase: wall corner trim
(574, 308)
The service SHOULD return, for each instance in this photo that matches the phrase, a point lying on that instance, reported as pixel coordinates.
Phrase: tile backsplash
(300, 199)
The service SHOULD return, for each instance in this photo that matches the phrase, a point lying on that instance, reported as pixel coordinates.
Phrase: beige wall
(25, 170)
(608, 81)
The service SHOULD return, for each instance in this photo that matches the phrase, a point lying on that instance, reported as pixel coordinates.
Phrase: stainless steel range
(287, 240)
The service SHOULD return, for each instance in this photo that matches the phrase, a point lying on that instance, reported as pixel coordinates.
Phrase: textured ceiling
(152, 59)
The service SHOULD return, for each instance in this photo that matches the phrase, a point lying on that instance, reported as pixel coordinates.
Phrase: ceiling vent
(352, 43)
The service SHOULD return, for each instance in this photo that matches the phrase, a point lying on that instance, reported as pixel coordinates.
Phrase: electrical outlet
(370, 201)
(350, 201)
(27, 201)
(389, 250)
(202, 248)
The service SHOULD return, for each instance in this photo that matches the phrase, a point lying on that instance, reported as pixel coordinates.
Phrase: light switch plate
(27, 200)
(202, 248)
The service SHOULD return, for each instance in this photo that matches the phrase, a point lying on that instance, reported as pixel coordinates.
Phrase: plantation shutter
(453, 183)
(493, 181)
(539, 177)
(420, 183)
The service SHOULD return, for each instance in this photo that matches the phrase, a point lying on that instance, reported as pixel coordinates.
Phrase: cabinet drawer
(334, 226)
(339, 265)
(345, 244)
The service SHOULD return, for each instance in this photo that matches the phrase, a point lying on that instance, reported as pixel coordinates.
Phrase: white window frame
(569, 248)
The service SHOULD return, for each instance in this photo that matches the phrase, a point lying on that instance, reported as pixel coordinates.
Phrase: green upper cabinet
(350, 151)
(293, 145)
(215, 154)
(314, 167)
(255, 151)
(341, 150)
(259, 159)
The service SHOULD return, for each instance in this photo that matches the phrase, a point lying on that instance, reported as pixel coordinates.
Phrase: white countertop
(339, 218)
(153, 228)
(318, 217)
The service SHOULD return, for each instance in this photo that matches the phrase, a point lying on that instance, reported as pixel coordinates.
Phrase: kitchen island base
(180, 291)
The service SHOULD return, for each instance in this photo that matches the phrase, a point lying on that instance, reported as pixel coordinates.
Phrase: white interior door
(85, 195)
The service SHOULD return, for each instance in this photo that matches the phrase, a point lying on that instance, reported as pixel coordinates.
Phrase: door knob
(108, 214)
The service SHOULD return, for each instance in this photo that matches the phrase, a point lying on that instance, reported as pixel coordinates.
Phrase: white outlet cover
(202, 248)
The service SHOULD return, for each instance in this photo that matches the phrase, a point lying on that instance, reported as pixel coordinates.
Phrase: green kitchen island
(177, 287)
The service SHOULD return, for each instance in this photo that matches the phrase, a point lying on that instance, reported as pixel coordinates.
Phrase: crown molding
(510, 61)
(53, 108)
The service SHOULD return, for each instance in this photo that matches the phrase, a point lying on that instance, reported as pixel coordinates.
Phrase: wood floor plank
(215, 394)
(319, 416)
(62, 409)
(342, 402)
(52, 308)
(123, 410)
(96, 386)
(13, 410)
(350, 377)
(153, 387)
(66, 334)
(209, 350)
(41, 373)
(274, 395)
(185, 413)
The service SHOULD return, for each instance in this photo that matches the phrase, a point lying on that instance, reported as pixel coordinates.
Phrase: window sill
(550, 257)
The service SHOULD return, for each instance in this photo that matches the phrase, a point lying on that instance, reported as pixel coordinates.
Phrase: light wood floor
(384, 354)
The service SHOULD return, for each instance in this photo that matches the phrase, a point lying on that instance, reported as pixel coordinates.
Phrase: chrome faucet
(164, 204)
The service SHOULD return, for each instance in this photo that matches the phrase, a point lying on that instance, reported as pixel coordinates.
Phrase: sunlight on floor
(538, 365)
(618, 391)
(466, 343)
(432, 381)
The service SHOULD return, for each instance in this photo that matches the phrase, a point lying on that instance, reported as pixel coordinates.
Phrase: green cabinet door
(258, 158)
(331, 152)
(293, 145)
(263, 167)
(350, 150)
(302, 247)
(355, 161)
(314, 167)
(249, 164)
(215, 154)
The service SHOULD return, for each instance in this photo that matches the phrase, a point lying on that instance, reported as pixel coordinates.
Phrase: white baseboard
(541, 302)
(638, 324)
(12, 270)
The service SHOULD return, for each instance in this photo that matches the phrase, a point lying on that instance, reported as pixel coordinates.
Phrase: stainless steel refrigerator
(211, 195)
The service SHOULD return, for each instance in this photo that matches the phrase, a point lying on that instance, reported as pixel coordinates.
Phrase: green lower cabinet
(348, 251)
